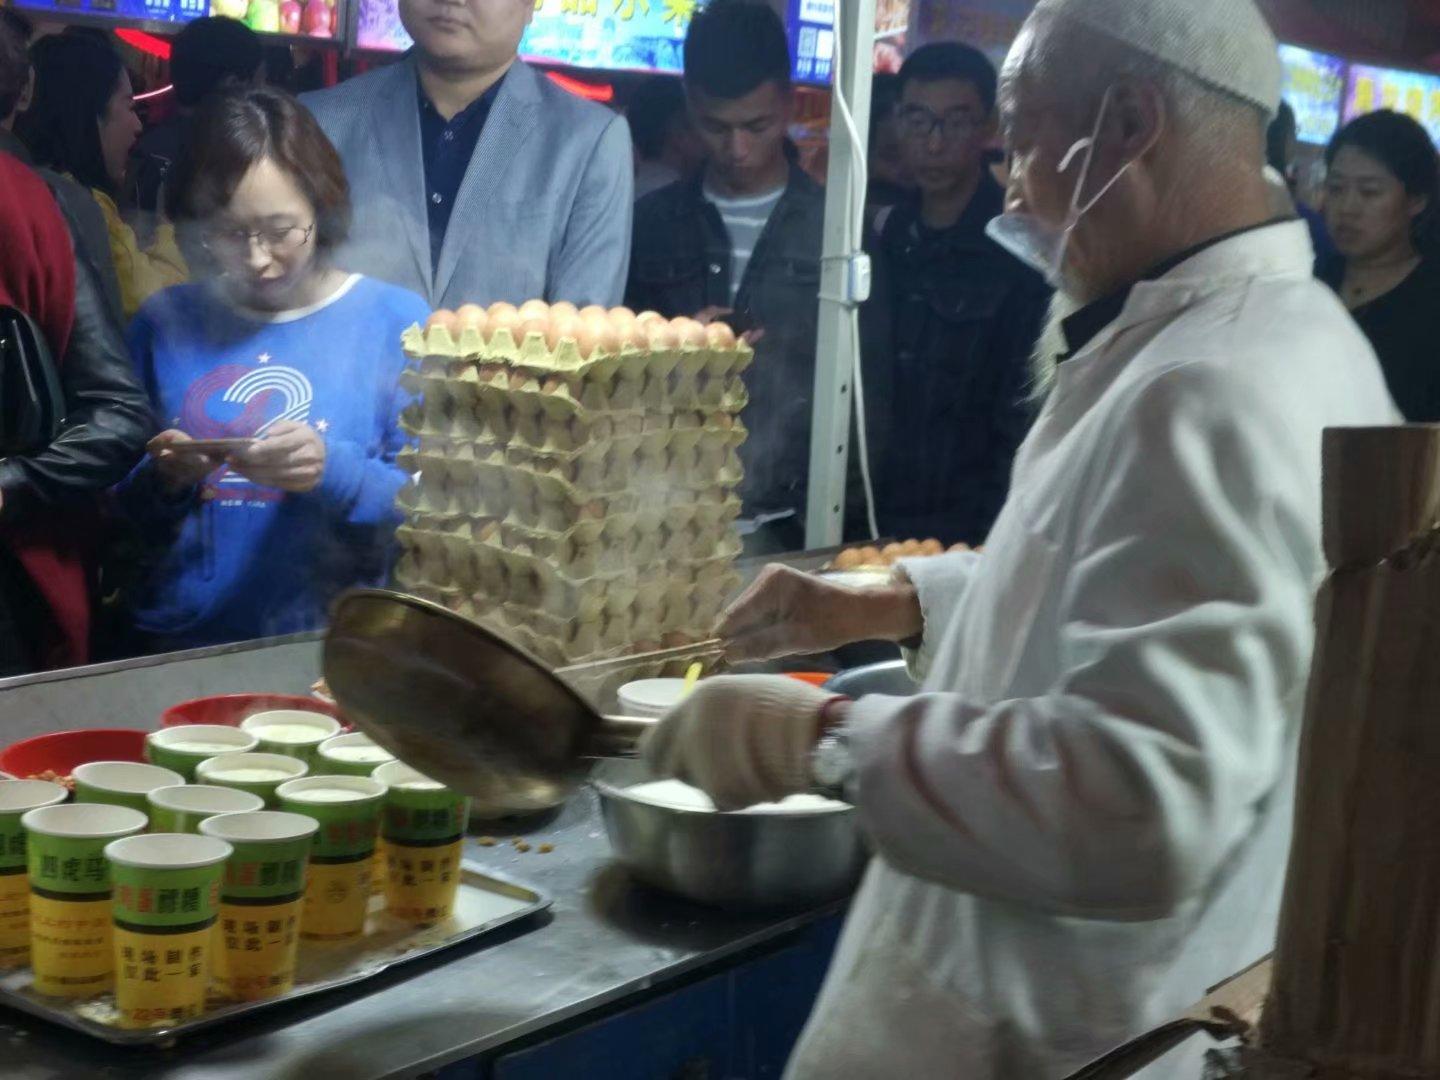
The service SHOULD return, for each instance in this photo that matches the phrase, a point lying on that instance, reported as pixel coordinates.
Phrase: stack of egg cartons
(575, 475)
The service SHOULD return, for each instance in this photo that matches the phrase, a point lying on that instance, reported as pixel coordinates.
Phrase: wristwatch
(832, 762)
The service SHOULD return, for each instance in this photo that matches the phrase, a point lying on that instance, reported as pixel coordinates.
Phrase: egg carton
(532, 352)
(589, 643)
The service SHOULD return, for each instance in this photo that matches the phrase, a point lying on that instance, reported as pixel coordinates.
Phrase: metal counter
(605, 940)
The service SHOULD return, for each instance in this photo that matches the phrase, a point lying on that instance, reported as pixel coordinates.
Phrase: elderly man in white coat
(1082, 822)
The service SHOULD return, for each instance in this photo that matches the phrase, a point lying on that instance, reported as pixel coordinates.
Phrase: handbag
(32, 403)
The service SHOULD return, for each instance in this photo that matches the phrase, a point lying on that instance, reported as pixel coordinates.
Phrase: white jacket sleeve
(940, 582)
(1184, 637)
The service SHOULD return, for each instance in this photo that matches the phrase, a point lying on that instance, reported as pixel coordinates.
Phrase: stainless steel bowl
(730, 860)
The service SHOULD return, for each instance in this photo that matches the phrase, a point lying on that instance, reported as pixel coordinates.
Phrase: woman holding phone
(276, 377)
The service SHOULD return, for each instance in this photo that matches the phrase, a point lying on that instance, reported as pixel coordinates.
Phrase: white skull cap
(1225, 44)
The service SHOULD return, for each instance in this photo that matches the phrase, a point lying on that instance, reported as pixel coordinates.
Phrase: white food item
(257, 775)
(419, 785)
(681, 796)
(289, 733)
(198, 746)
(364, 755)
(329, 794)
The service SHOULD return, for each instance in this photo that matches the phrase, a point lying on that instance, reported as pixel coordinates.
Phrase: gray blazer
(543, 212)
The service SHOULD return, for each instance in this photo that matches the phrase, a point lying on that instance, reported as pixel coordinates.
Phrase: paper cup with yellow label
(337, 887)
(291, 731)
(258, 773)
(17, 798)
(182, 748)
(70, 941)
(180, 809)
(121, 783)
(424, 829)
(262, 896)
(164, 905)
(356, 754)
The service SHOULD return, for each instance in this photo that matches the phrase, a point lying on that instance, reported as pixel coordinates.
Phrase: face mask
(1039, 244)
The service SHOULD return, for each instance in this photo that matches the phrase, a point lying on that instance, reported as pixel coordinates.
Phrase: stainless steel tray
(486, 902)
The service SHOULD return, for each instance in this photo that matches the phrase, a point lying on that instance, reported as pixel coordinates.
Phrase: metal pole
(837, 344)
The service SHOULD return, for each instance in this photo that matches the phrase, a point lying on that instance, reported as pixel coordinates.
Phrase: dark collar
(693, 187)
(1084, 325)
(482, 104)
(10, 144)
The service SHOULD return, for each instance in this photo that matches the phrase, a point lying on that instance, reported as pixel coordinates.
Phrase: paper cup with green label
(70, 940)
(355, 754)
(262, 897)
(424, 829)
(337, 888)
(164, 905)
(17, 798)
(180, 809)
(258, 773)
(291, 731)
(121, 783)
(182, 748)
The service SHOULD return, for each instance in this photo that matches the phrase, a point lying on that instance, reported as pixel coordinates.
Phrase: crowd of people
(242, 271)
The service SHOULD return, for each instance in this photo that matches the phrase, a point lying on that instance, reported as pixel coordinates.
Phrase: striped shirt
(744, 217)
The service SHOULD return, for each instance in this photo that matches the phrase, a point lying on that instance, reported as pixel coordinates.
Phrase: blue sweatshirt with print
(233, 560)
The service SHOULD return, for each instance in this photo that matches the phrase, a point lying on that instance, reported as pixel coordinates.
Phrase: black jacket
(680, 264)
(949, 397)
(108, 417)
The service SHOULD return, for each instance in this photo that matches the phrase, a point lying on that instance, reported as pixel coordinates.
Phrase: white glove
(742, 739)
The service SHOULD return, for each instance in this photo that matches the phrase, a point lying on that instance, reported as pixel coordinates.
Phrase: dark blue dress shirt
(446, 148)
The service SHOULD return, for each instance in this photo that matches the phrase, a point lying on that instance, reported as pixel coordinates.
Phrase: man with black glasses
(962, 315)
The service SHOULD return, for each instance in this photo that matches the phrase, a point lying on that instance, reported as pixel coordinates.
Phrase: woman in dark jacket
(1382, 202)
(47, 495)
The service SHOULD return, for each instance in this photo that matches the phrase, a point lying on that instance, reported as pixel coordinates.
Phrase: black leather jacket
(680, 264)
(108, 417)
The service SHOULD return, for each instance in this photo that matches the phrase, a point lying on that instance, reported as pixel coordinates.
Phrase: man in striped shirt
(741, 241)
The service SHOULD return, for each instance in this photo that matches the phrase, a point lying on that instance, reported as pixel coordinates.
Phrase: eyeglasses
(277, 241)
(918, 122)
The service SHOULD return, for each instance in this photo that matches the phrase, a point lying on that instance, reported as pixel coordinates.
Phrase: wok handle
(619, 736)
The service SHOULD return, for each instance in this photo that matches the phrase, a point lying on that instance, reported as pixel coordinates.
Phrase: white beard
(1051, 344)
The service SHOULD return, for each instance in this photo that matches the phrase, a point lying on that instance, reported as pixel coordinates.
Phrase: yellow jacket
(142, 272)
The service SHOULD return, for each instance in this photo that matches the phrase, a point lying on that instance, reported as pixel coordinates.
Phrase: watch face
(832, 763)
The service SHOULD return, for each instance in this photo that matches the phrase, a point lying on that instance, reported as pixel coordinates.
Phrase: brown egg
(719, 336)
(622, 312)
(630, 334)
(848, 559)
(518, 379)
(690, 332)
(534, 326)
(722, 420)
(562, 325)
(594, 509)
(504, 317)
(534, 309)
(564, 307)
(443, 318)
(594, 311)
(553, 385)
(891, 552)
(932, 547)
(648, 317)
(959, 547)
(596, 333)
(659, 335)
(473, 317)
(911, 547)
(870, 556)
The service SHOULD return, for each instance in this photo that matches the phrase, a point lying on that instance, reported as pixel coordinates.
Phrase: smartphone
(212, 446)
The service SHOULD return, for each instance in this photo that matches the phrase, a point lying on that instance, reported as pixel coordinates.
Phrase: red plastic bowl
(63, 750)
(230, 709)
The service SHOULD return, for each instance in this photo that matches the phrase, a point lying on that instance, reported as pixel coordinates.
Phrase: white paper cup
(180, 809)
(650, 697)
(355, 754)
(291, 731)
(121, 783)
(337, 884)
(182, 748)
(258, 773)
(17, 798)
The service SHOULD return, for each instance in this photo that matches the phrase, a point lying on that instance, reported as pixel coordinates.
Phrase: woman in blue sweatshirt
(276, 345)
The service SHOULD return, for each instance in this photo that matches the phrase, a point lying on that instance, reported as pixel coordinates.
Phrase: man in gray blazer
(474, 178)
